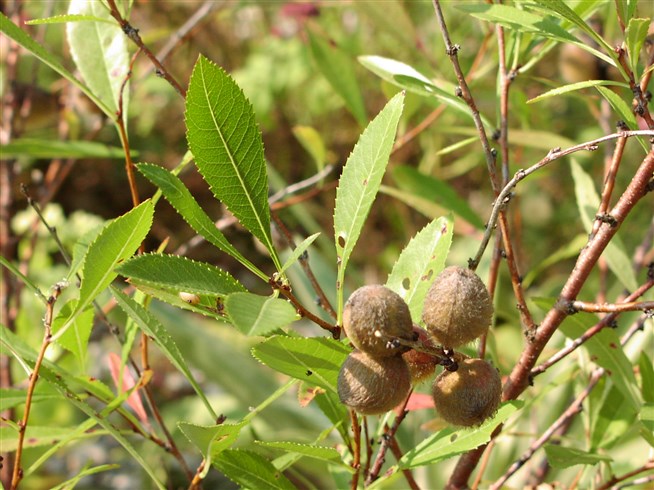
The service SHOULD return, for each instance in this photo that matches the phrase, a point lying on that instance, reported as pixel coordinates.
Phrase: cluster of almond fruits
(391, 353)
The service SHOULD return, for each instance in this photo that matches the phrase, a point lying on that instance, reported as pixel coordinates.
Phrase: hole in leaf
(406, 283)
(341, 241)
(427, 277)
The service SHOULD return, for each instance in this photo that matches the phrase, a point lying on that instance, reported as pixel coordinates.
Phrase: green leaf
(390, 17)
(116, 242)
(528, 22)
(249, 470)
(338, 68)
(412, 180)
(314, 360)
(646, 417)
(564, 457)
(99, 50)
(573, 87)
(175, 273)
(252, 314)
(420, 262)
(86, 471)
(36, 436)
(410, 79)
(450, 442)
(10, 398)
(647, 377)
(149, 324)
(211, 440)
(588, 202)
(623, 111)
(635, 35)
(42, 148)
(299, 250)
(21, 37)
(360, 182)
(76, 337)
(228, 149)
(427, 207)
(321, 453)
(23, 278)
(335, 411)
(613, 421)
(179, 197)
(313, 143)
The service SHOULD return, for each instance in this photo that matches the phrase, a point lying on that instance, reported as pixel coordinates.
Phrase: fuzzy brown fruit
(372, 316)
(469, 395)
(458, 308)
(421, 365)
(373, 386)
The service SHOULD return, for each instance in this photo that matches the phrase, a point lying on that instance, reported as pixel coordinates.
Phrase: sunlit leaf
(252, 314)
(564, 457)
(250, 470)
(572, 87)
(228, 149)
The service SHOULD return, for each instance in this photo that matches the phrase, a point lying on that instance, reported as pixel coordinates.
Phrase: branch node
(458, 91)
(453, 50)
(607, 218)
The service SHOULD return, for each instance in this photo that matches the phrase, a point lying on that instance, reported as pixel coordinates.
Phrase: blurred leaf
(635, 35)
(178, 195)
(36, 436)
(604, 348)
(76, 338)
(361, 179)
(83, 473)
(450, 442)
(420, 262)
(412, 180)
(10, 398)
(314, 360)
(647, 377)
(249, 470)
(149, 324)
(176, 273)
(211, 440)
(564, 457)
(646, 417)
(228, 149)
(613, 420)
(21, 37)
(425, 206)
(59, 379)
(23, 279)
(408, 78)
(313, 143)
(48, 148)
(298, 251)
(573, 87)
(99, 50)
(338, 68)
(117, 241)
(252, 314)
(588, 202)
(565, 252)
(528, 22)
(390, 16)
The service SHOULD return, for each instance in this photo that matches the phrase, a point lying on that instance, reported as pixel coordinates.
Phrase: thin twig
(408, 475)
(505, 194)
(17, 473)
(389, 434)
(133, 34)
(356, 446)
(612, 308)
(592, 331)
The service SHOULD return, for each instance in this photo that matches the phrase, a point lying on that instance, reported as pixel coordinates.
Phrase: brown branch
(617, 479)
(612, 308)
(408, 475)
(520, 377)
